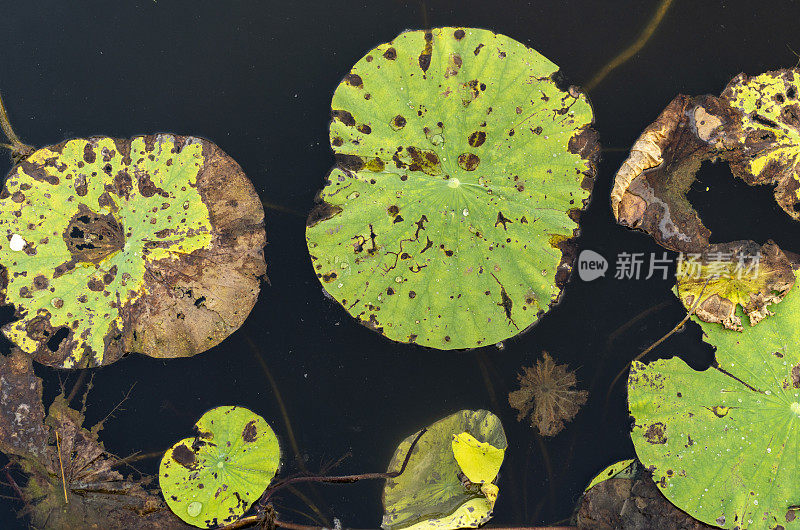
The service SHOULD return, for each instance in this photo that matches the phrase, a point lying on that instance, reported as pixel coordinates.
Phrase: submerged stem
(626, 54)
(659, 341)
(18, 149)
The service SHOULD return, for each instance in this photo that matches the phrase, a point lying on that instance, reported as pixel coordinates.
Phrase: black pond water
(256, 78)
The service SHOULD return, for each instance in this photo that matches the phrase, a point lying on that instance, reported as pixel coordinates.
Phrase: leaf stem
(346, 479)
(18, 149)
(626, 54)
(659, 341)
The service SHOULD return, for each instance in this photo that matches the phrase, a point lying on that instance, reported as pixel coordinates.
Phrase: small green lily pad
(430, 492)
(462, 168)
(151, 245)
(723, 444)
(212, 479)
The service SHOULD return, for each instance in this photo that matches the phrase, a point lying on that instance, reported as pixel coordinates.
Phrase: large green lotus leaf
(723, 444)
(430, 493)
(461, 170)
(150, 245)
(212, 479)
(770, 133)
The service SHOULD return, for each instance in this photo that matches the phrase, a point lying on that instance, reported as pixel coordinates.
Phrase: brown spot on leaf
(354, 80)
(477, 138)
(344, 116)
(249, 432)
(184, 456)
(425, 56)
(656, 433)
(468, 161)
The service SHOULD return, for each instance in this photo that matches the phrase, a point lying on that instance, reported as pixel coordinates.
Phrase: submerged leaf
(213, 478)
(548, 389)
(631, 501)
(150, 245)
(97, 495)
(461, 171)
(430, 493)
(722, 444)
(22, 430)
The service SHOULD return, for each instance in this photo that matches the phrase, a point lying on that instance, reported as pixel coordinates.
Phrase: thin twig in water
(135, 457)
(77, 385)
(118, 405)
(633, 49)
(287, 423)
(61, 465)
(344, 479)
(13, 483)
(659, 341)
(281, 404)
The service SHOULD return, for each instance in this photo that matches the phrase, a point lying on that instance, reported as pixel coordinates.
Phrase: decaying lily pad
(97, 494)
(755, 127)
(461, 171)
(630, 500)
(434, 491)
(150, 245)
(769, 153)
(547, 396)
(722, 444)
(729, 275)
(213, 478)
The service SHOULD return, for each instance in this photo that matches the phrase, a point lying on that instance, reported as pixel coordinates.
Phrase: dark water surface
(257, 78)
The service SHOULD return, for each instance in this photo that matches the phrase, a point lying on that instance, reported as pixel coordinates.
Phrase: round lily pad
(462, 168)
(151, 245)
(723, 444)
(434, 491)
(213, 478)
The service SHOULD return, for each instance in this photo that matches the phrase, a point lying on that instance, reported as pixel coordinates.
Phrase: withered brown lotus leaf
(754, 126)
(728, 275)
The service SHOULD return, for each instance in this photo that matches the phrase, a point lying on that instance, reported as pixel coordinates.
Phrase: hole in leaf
(58, 337)
(720, 209)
